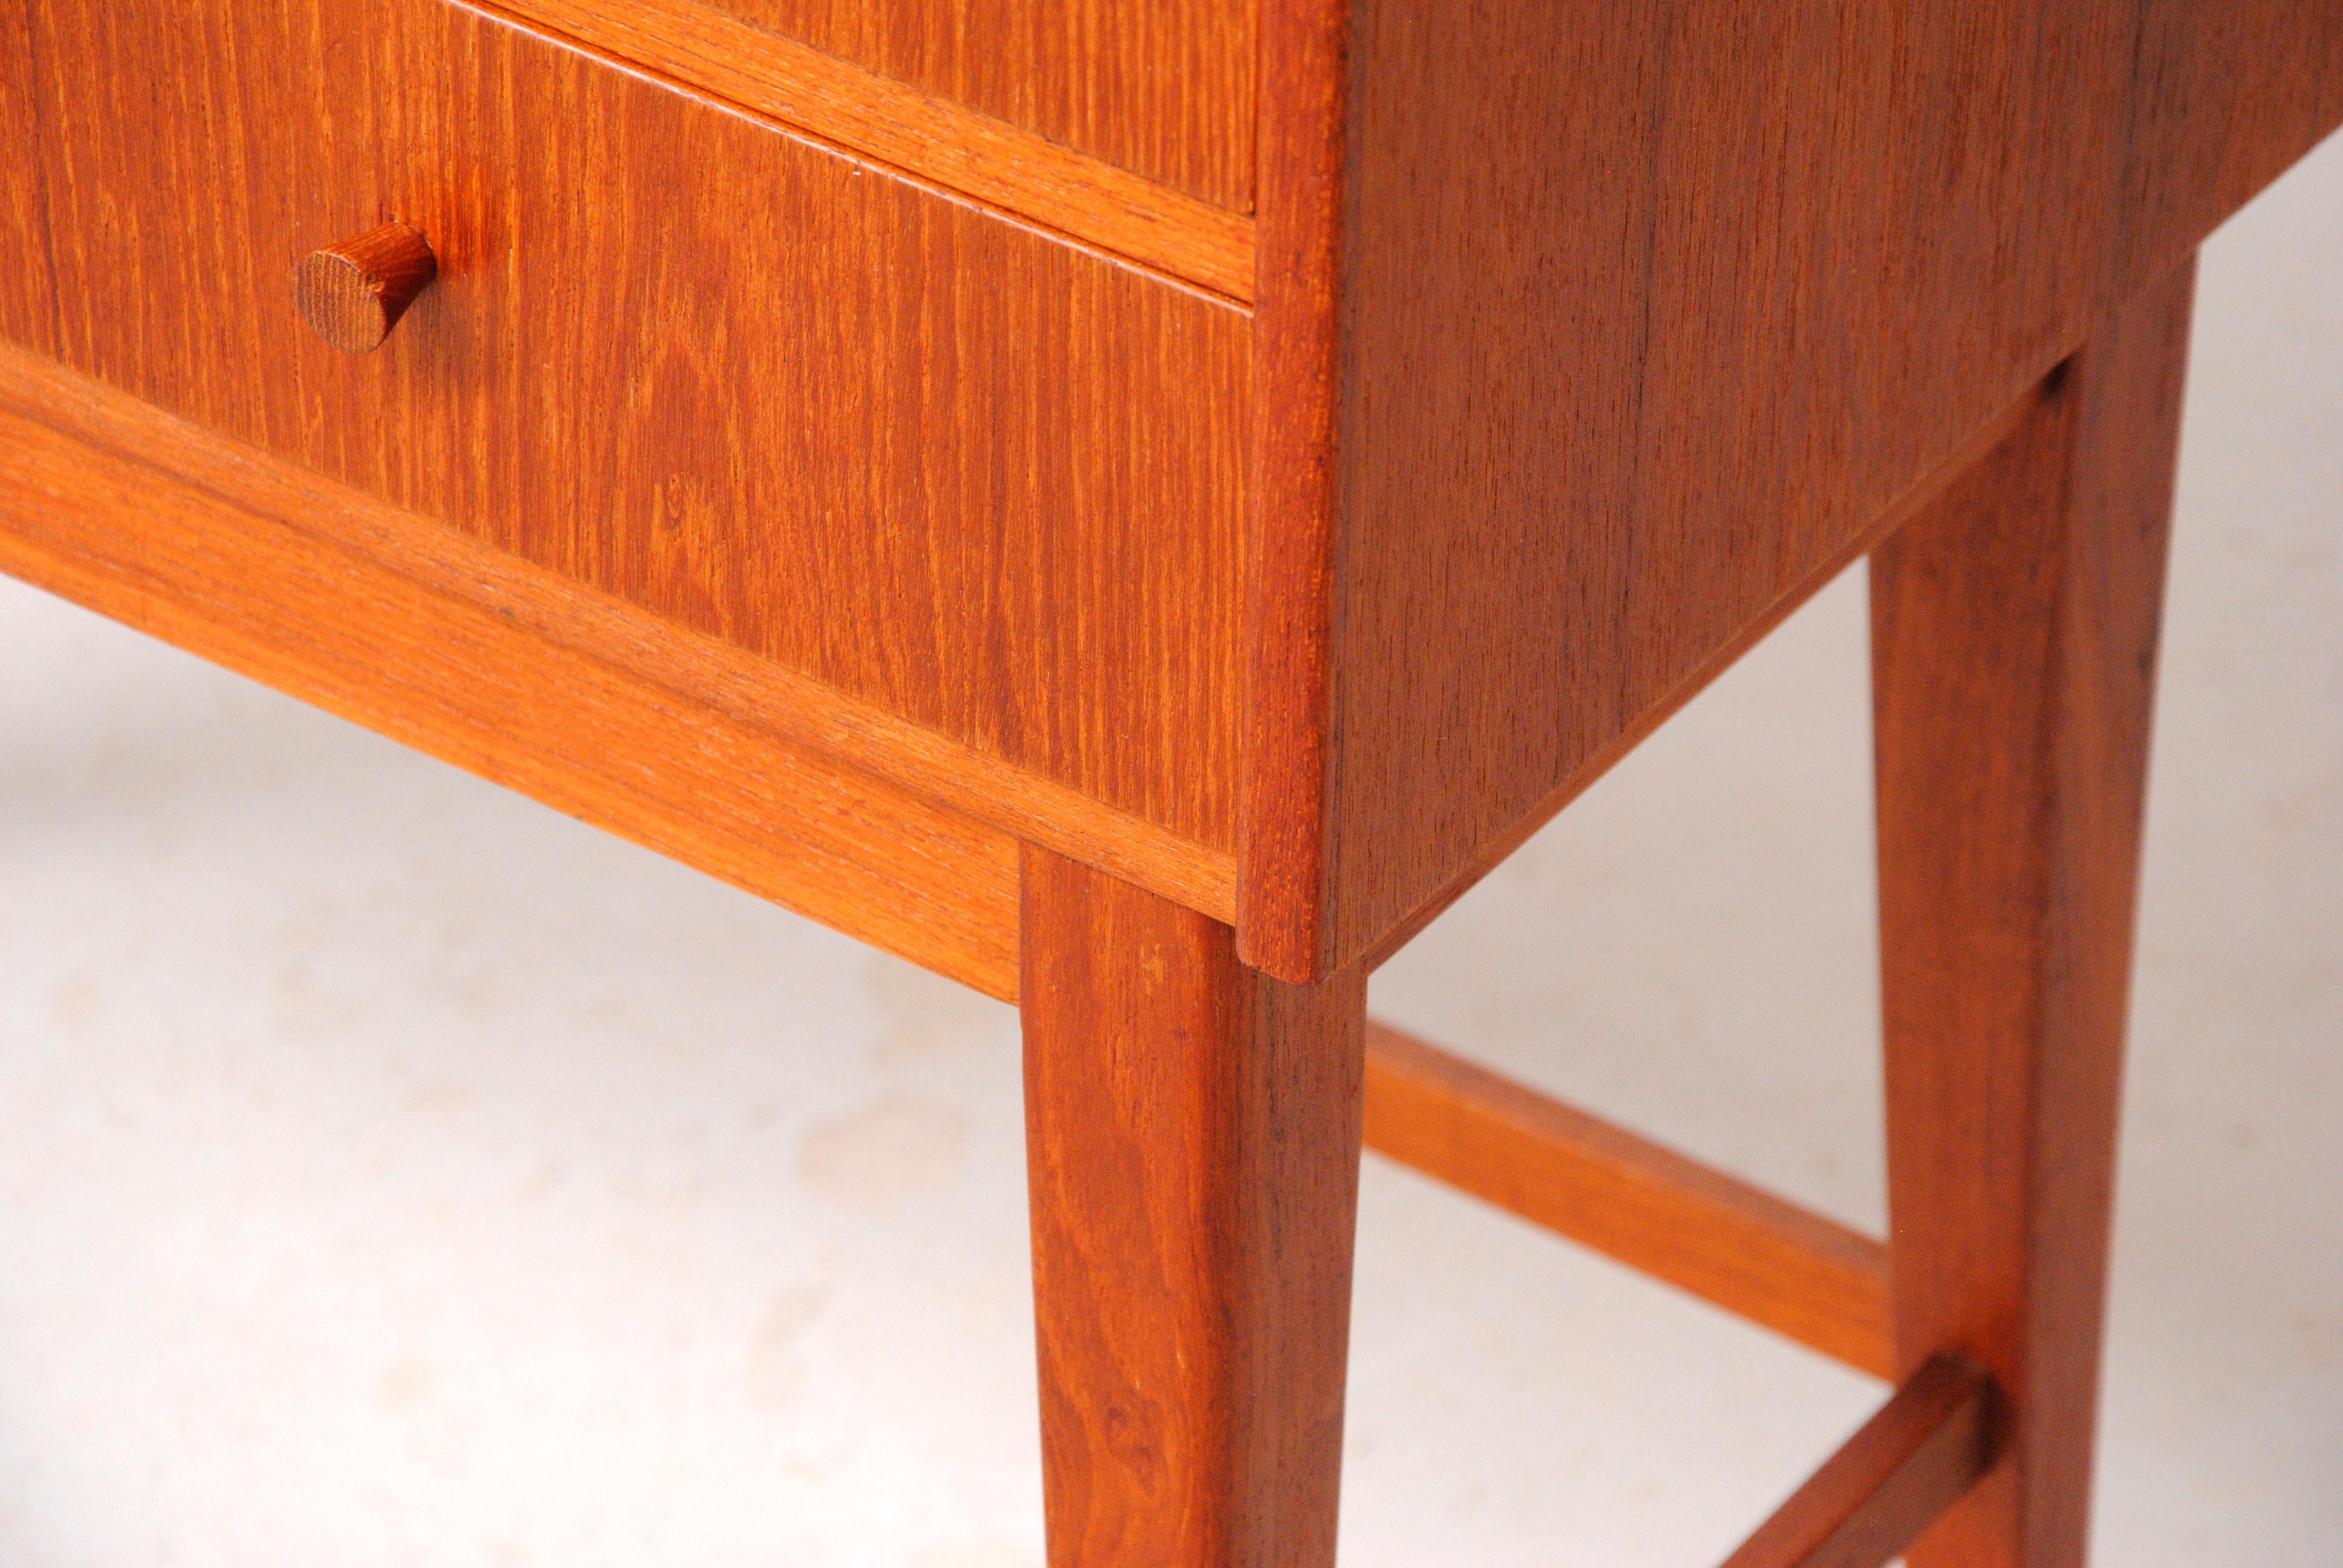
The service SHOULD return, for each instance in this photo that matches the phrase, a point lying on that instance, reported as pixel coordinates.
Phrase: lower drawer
(987, 480)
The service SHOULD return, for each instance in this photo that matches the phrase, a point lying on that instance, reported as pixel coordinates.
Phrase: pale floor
(393, 1172)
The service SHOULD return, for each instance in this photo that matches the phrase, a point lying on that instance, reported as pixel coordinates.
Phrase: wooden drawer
(974, 475)
(1161, 87)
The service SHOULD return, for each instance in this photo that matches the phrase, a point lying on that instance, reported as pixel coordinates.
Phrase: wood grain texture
(353, 292)
(961, 472)
(1286, 806)
(1020, 171)
(1901, 510)
(453, 648)
(1192, 1131)
(28, 289)
(1162, 88)
(2014, 633)
(2225, 97)
(1644, 313)
(1917, 1457)
(1700, 1230)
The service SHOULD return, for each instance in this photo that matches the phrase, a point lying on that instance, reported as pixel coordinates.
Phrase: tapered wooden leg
(1193, 1130)
(2014, 631)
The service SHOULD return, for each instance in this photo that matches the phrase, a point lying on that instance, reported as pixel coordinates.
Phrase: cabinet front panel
(984, 479)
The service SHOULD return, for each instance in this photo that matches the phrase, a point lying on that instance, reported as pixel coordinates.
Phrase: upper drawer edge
(1024, 175)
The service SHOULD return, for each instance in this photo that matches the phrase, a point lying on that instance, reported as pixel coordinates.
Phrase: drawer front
(1162, 88)
(988, 481)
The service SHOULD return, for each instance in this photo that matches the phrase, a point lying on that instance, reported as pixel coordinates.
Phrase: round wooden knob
(355, 292)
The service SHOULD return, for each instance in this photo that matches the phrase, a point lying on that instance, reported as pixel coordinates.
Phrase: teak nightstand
(1135, 504)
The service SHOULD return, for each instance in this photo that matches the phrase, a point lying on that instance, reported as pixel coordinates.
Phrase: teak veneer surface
(1020, 171)
(1589, 331)
(1162, 88)
(27, 303)
(960, 470)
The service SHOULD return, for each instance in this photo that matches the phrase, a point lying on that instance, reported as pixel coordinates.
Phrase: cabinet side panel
(2228, 95)
(27, 307)
(1651, 311)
